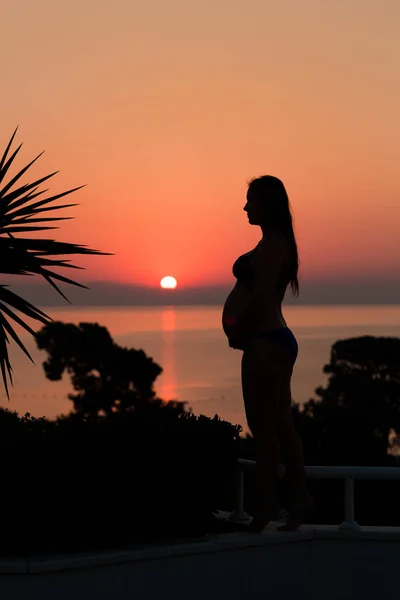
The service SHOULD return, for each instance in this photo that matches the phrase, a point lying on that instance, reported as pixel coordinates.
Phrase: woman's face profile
(254, 209)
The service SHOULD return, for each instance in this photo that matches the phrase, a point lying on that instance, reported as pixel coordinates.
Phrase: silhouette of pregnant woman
(253, 322)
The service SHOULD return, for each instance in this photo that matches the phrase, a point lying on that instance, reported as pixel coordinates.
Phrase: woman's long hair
(272, 193)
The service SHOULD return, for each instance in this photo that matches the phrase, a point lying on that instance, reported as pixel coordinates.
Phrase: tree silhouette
(359, 408)
(108, 378)
(27, 256)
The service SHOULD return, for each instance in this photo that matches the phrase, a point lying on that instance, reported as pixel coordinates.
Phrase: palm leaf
(12, 332)
(10, 203)
(28, 257)
(5, 363)
(21, 229)
(3, 165)
(24, 188)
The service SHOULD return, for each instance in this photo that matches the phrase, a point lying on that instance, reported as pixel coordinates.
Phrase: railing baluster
(239, 513)
(349, 524)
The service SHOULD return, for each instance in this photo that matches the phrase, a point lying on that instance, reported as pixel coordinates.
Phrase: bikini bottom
(283, 336)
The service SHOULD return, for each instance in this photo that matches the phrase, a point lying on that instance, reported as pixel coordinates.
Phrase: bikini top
(244, 271)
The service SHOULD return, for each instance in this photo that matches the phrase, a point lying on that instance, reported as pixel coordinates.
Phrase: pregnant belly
(236, 303)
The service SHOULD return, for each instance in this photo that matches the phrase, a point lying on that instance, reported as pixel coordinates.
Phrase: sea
(189, 344)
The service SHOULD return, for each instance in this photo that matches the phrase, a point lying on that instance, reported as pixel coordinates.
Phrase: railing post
(239, 513)
(349, 524)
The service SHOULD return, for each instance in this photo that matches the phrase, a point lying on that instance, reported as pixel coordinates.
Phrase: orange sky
(166, 109)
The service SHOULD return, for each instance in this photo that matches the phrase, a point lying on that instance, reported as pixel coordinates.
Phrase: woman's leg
(264, 368)
(293, 458)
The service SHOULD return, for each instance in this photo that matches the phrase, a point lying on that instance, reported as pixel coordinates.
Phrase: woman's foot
(257, 525)
(297, 515)
(226, 526)
(262, 518)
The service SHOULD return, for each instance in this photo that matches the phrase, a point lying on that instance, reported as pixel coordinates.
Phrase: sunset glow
(166, 109)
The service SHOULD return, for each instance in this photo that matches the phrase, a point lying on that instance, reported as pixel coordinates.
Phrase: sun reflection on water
(167, 388)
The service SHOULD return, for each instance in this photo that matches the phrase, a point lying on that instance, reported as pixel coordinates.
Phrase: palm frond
(24, 188)
(8, 297)
(3, 165)
(24, 256)
(10, 202)
(5, 365)
(12, 332)
(21, 229)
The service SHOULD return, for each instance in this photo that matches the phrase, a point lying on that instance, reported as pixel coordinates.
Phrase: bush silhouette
(74, 484)
(107, 377)
(356, 412)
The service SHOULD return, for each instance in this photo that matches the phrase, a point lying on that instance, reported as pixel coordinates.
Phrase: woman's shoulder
(273, 248)
(274, 242)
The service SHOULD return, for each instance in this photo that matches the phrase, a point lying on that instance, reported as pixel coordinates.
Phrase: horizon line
(109, 293)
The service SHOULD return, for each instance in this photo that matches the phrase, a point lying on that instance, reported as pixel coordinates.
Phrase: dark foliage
(108, 378)
(76, 485)
(351, 422)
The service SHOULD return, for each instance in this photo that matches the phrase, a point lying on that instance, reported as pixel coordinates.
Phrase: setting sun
(168, 283)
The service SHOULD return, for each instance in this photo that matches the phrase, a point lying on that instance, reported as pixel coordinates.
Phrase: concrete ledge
(209, 544)
(11, 566)
(370, 533)
(213, 543)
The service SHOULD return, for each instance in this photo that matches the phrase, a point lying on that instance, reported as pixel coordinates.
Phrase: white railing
(349, 474)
